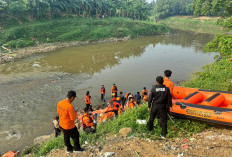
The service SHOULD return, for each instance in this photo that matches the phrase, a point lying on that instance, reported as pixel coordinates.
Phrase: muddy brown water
(30, 88)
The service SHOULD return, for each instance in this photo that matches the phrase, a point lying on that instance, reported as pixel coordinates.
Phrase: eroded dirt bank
(24, 52)
(212, 142)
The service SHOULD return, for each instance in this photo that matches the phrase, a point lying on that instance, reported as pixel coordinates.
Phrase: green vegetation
(76, 29)
(167, 8)
(212, 7)
(21, 10)
(127, 119)
(217, 76)
(201, 25)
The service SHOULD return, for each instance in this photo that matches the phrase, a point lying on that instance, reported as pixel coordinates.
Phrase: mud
(24, 52)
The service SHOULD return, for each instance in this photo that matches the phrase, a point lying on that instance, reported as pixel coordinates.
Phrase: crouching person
(88, 122)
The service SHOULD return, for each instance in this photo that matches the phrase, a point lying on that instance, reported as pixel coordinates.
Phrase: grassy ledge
(200, 24)
(216, 76)
(127, 119)
(75, 29)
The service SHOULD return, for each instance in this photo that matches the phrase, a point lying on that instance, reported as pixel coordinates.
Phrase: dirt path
(213, 142)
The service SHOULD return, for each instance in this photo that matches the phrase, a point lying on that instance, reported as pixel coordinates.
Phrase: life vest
(87, 121)
(144, 92)
(126, 96)
(168, 83)
(116, 105)
(106, 116)
(114, 89)
(113, 99)
(103, 90)
(10, 154)
(87, 99)
(130, 105)
(145, 98)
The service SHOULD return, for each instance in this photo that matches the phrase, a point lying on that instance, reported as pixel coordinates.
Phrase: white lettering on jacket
(160, 89)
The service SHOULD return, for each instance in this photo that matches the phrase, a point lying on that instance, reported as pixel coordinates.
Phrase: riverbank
(125, 137)
(24, 52)
(110, 129)
(216, 76)
(199, 24)
(67, 32)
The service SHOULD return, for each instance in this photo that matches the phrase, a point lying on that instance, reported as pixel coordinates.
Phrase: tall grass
(201, 25)
(76, 29)
(127, 119)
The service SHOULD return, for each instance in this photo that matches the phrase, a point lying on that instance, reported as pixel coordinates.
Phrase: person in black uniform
(159, 102)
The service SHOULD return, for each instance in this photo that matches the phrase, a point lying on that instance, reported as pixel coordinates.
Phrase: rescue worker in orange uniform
(103, 92)
(114, 90)
(113, 98)
(117, 106)
(88, 122)
(131, 103)
(68, 115)
(87, 101)
(167, 82)
(144, 92)
(127, 95)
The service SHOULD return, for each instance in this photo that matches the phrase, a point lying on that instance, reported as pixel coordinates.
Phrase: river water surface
(30, 88)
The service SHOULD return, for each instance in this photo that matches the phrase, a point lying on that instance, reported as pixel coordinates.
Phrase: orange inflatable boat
(210, 106)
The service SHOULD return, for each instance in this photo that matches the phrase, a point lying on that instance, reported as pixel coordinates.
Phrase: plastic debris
(36, 65)
(53, 81)
(108, 154)
(141, 121)
(186, 140)
(180, 155)
(221, 137)
(10, 154)
(184, 146)
(192, 139)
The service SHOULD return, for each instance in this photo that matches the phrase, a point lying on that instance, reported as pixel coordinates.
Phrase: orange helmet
(118, 98)
(113, 94)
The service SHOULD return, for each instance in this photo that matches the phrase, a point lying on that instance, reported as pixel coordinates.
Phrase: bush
(76, 29)
(20, 43)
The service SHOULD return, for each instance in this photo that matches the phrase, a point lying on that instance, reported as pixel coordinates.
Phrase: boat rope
(176, 124)
(180, 101)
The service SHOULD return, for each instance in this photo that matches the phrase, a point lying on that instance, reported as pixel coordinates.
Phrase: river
(30, 88)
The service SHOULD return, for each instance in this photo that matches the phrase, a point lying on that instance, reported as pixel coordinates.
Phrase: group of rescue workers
(159, 103)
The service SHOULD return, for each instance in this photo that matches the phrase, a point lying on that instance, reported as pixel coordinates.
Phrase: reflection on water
(30, 96)
(92, 59)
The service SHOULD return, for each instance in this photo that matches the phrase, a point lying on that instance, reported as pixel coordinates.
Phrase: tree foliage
(20, 9)
(212, 7)
(166, 8)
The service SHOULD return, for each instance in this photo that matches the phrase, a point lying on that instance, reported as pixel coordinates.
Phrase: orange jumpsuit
(168, 83)
(67, 114)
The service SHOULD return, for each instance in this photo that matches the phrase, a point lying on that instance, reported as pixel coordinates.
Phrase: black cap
(160, 79)
(71, 94)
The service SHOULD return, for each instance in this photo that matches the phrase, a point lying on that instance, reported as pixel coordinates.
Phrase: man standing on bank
(68, 116)
(159, 102)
